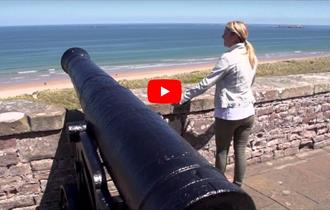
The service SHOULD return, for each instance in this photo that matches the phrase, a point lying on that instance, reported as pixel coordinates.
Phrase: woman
(234, 112)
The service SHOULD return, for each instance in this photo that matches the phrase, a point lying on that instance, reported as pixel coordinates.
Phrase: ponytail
(251, 54)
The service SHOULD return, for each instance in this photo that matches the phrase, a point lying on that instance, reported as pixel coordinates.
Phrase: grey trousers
(225, 132)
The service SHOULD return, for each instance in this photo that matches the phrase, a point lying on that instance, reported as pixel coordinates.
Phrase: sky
(58, 12)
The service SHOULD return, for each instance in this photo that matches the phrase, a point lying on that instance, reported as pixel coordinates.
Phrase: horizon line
(160, 23)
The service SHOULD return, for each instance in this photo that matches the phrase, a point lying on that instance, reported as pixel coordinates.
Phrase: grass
(287, 67)
(68, 98)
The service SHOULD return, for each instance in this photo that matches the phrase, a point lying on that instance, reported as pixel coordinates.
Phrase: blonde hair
(240, 29)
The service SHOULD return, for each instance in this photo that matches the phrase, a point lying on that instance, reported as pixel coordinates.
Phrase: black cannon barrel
(152, 166)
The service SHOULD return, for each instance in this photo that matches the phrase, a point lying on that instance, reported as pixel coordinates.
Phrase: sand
(12, 90)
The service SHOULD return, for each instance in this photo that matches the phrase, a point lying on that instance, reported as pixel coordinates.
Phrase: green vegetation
(68, 98)
(64, 97)
(302, 66)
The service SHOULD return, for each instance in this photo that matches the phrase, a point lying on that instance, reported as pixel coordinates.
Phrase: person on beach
(234, 112)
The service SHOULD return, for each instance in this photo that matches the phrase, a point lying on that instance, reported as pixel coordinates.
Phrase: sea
(33, 53)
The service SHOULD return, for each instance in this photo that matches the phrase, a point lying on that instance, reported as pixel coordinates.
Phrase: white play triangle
(163, 91)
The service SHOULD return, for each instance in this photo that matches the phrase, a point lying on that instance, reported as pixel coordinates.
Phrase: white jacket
(233, 77)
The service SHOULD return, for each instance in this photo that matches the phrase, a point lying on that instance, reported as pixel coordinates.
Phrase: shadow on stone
(62, 170)
(198, 141)
(181, 123)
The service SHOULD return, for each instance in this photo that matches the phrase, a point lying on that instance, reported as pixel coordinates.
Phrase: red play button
(164, 91)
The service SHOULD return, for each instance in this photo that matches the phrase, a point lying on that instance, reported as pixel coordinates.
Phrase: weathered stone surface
(41, 175)
(3, 196)
(8, 145)
(40, 165)
(198, 129)
(263, 94)
(197, 105)
(13, 123)
(17, 201)
(296, 92)
(264, 110)
(321, 144)
(43, 184)
(38, 148)
(50, 120)
(29, 188)
(27, 208)
(11, 184)
(8, 158)
(20, 169)
(3, 171)
(321, 87)
(42, 117)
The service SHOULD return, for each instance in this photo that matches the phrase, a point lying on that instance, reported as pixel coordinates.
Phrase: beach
(12, 90)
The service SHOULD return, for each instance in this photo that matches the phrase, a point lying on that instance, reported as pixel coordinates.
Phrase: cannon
(152, 166)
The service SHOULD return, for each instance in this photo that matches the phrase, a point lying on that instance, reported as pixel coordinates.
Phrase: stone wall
(292, 115)
(35, 158)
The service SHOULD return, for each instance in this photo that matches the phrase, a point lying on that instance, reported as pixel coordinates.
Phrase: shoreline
(30, 87)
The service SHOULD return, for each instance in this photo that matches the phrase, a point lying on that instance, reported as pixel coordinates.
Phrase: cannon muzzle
(153, 167)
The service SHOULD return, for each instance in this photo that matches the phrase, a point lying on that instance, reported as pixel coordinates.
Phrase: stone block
(43, 185)
(20, 169)
(263, 95)
(13, 123)
(208, 103)
(8, 145)
(309, 134)
(3, 172)
(39, 165)
(267, 157)
(8, 158)
(17, 201)
(29, 188)
(264, 110)
(27, 208)
(325, 107)
(284, 145)
(260, 143)
(295, 143)
(38, 148)
(197, 105)
(319, 138)
(321, 144)
(278, 154)
(321, 87)
(326, 114)
(296, 91)
(42, 117)
(3, 196)
(11, 184)
(291, 151)
(48, 120)
(39, 175)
